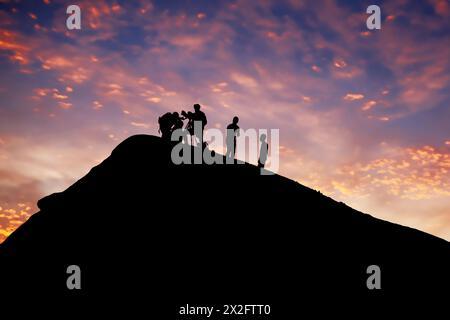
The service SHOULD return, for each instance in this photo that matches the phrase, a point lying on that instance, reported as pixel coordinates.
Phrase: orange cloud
(58, 96)
(390, 18)
(353, 96)
(154, 99)
(57, 62)
(413, 173)
(11, 41)
(65, 105)
(339, 63)
(368, 105)
(12, 218)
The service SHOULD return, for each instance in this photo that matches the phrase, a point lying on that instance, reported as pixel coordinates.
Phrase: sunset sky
(363, 115)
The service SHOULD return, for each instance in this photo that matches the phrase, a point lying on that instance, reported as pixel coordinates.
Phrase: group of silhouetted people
(171, 121)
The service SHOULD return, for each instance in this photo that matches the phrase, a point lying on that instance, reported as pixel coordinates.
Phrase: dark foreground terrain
(150, 237)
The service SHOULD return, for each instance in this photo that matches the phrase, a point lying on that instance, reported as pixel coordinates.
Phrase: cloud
(411, 173)
(353, 96)
(12, 43)
(13, 217)
(244, 80)
(368, 105)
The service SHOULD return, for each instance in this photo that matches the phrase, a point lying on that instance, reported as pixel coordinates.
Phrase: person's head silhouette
(235, 120)
(196, 107)
(262, 138)
(175, 114)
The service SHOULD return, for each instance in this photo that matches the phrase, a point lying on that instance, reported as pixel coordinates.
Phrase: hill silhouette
(140, 226)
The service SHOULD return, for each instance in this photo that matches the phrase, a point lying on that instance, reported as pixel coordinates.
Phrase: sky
(363, 114)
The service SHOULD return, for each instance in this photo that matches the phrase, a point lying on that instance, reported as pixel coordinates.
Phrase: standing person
(263, 151)
(197, 116)
(232, 133)
(177, 123)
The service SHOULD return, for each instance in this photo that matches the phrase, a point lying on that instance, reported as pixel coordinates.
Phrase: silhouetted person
(193, 117)
(177, 123)
(189, 126)
(165, 125)
(200, 116)
(232, 133)
(263, 151)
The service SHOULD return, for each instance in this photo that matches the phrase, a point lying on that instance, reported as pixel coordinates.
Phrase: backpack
(165, 122)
